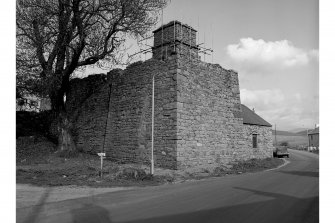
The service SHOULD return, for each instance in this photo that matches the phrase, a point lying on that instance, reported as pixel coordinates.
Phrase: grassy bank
(38, 164)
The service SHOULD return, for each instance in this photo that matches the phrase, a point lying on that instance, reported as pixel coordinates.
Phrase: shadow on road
(304, 210)
(38, 208)
(302, 173)
(90, 213)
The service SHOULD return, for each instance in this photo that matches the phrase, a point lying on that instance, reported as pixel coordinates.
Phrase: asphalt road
(287, 194)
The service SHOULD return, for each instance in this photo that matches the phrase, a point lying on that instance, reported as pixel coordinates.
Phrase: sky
(273, 45)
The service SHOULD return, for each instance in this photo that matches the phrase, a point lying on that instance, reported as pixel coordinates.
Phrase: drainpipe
(103, 154)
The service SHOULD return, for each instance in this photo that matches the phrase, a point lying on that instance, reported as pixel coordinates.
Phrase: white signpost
(152, 125)
(102, 156)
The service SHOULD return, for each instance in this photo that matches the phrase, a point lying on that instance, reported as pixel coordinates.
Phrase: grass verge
(38, 164)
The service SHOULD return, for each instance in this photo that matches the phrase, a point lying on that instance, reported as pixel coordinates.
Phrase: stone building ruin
(199, 119)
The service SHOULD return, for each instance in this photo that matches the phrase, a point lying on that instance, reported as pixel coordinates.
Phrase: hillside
(302, 133)
(284, 133)
(290, 133)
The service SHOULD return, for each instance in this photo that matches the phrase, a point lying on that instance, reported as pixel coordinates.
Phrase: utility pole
(307, 139)
(275, 135)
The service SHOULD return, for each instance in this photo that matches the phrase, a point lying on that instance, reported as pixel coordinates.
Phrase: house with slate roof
(313, 138)
(257, 131)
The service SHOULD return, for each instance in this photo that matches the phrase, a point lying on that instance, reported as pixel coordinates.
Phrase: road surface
(287, 194)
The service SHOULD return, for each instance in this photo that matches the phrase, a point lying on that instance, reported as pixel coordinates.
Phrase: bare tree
(56, 37)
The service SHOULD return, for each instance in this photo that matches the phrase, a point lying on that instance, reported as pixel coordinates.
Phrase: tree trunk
(66, 145)
(63, 126)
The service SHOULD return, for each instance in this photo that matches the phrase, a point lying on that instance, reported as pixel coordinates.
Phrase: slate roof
(251, 118)
(314, 131)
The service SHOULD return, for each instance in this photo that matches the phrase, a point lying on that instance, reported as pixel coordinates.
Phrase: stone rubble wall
(128, 129)
(82, 89)
(87, 102)
(129, 124)
(182, 50)
(209, 123)
(175, 39)
(183, 33)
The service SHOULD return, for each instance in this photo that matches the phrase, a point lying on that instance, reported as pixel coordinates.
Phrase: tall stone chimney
(175, 38)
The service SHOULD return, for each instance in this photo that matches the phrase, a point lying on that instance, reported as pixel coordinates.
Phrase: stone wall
(209, 123)
(82, 89)
(175, 38)
(264, 142)
(128, 129)
(129, 125)
(175, 31)
(87, 102)
(197, 115)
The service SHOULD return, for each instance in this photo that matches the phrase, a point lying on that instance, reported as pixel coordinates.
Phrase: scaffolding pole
(174, 35)
(162, 34)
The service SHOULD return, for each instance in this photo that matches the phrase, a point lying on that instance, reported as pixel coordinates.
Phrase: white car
(281, 151)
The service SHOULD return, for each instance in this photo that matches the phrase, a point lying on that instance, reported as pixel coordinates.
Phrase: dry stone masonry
(198, 114)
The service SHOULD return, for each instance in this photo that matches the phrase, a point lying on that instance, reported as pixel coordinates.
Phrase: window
(254, 140)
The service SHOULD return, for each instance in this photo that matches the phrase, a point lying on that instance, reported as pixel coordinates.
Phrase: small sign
(101, 154)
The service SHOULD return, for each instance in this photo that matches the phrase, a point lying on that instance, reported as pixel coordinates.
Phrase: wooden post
(102, 156)
(275, 135)
(307, 139)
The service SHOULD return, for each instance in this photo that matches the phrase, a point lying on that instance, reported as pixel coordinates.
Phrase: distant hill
(297, 130)
(285, 133)
(302, 133)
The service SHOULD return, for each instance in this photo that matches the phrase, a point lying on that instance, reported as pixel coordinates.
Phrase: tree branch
(39, 45)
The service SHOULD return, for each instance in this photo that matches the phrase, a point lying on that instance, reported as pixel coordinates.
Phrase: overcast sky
(272, 44)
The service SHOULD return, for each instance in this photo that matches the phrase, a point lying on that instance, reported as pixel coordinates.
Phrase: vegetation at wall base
(34, 124)
(39, 163)
(253, 165)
